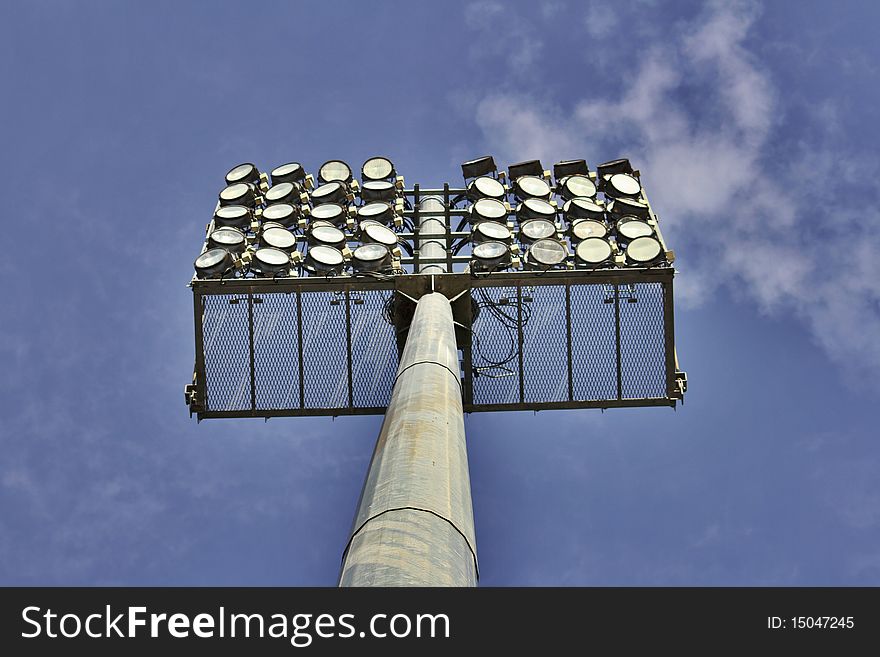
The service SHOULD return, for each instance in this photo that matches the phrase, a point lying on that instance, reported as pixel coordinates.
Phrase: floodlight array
(288, 223)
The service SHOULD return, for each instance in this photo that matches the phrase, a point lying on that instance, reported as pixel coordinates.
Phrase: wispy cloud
(701, 117)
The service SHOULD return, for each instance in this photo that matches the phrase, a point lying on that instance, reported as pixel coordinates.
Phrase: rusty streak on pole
(414, 524)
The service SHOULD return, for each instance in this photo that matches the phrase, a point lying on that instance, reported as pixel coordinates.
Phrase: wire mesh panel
(593, 343)
(325, 350)
(374, 349)
(545, 345)
(226, 338)
(276, 352)
(642, 353)
(495, 347)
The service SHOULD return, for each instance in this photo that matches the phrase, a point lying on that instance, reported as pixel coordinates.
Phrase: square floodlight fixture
(481, 166)
(611, 167)
(568, 168)
(527, 168)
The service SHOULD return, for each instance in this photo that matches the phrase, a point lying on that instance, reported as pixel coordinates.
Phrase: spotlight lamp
(285, 214)
(490, 256)
(630, 228)
(583, 208)
(285, 192)
(331, 192)
(583, 229)
(335, 171)
(378, 168)
(277, 237)
(644, 251)
(531, 187)
(324, 233)
(243, 173)
(491, 231)
(620, 207)
(622, 185)
(606, 169)
(594, 252)
(332, 213)
(487, 209)
(213, 263)
(229, 238)
(485, 187)
(527, 168)
(238, 194)
(566, 168)
(576, 186)
(371, 258)
(323, 260)
(272, 262)
(236, 216)
(481, 166)
(378, 190)
(535, 208)
(535, 230)
(378, 211)
(372, 232)
(291, 172)
(546, 254)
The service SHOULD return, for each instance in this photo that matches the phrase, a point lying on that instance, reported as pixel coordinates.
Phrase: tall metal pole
(414, 524)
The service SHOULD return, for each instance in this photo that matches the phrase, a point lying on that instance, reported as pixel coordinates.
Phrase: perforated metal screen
(297, 349)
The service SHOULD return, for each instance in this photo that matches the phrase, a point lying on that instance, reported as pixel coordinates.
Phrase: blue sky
(754, 128)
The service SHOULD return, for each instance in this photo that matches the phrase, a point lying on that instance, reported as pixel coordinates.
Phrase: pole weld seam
(457, 375)
(415, 508)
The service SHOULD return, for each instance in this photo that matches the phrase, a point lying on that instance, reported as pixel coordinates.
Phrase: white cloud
(699, 116)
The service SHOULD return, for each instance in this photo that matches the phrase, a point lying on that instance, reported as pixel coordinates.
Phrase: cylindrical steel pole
(415, 523)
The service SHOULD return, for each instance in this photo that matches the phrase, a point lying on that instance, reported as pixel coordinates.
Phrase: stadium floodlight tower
(520, 290)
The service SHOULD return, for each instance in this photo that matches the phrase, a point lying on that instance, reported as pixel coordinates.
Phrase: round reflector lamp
(623, 206)
(490, 255)
(213, 263)
(285, 192)
(271, 262)
(582, 208)
(335, 171)
(330, 212)
(593, 252)
(291, 172)
(278, 238)
(332, 192)
(378, 211)
(547, 253)
(643, 251)
(536, 229)
(237, 216)
(377, 168)
(378, 190)
(577, 186)
(535, 208)
(327, 235)
(485, 187)
(531, 187)
(623, 185)
(371, 257)
(587, 228)
(231, 239)
(282, 213)
(238, 194)
(323, 259)
(491, 231)
(372, 232)
(488, 209)
(630, 228)
(243, 173)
